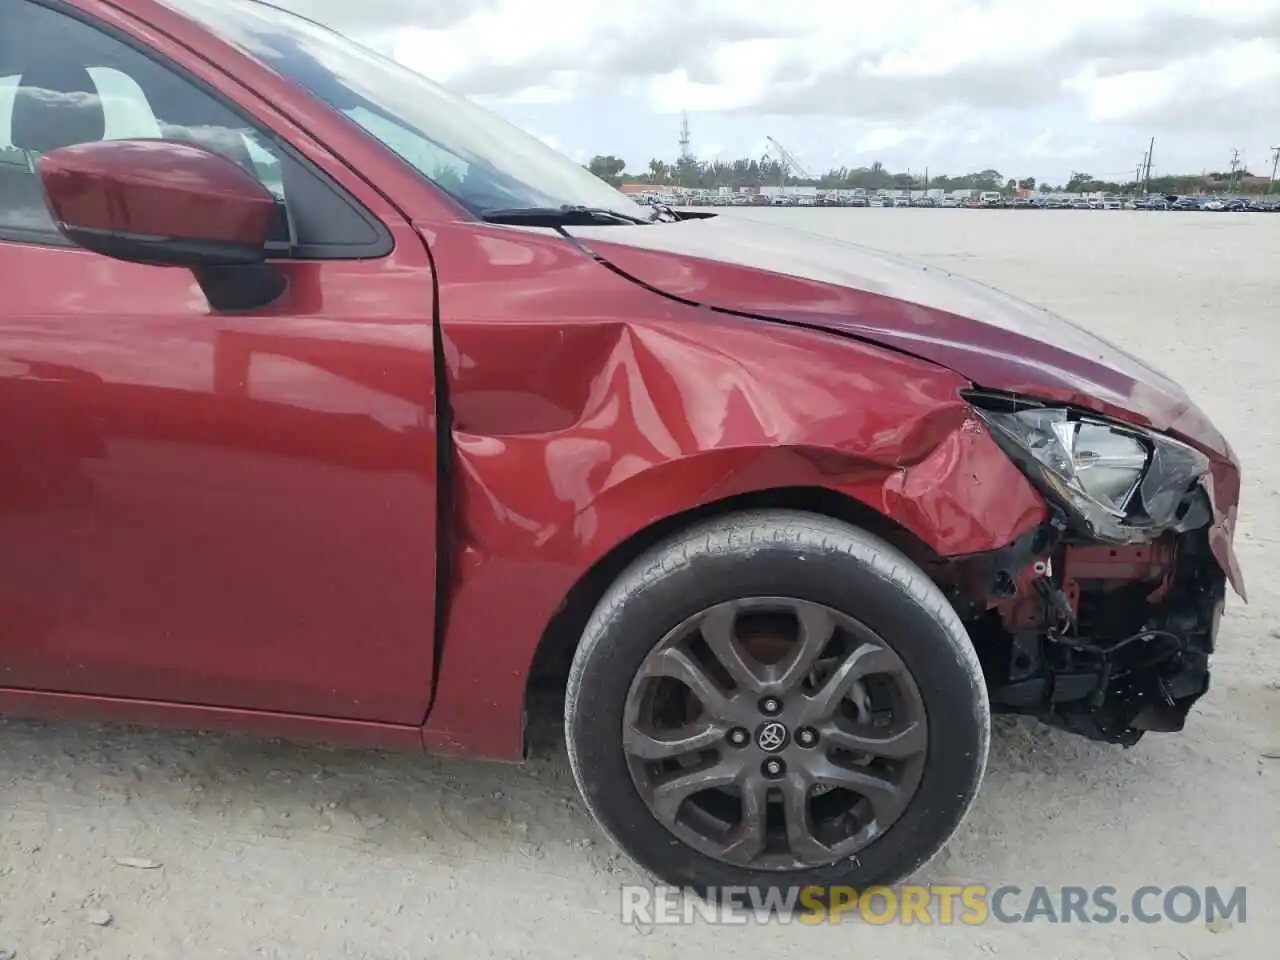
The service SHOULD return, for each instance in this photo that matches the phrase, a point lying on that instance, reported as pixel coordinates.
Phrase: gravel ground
(271, 849)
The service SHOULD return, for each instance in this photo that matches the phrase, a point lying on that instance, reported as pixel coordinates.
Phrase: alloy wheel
(775, 733)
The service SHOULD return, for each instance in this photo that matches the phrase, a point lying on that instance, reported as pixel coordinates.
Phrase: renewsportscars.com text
(970, 905)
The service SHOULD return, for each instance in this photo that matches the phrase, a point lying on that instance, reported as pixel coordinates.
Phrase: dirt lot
(270, 849)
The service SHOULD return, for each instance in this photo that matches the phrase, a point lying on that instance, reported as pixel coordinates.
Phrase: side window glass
(63, 82)
(129, 117)
(125, 109)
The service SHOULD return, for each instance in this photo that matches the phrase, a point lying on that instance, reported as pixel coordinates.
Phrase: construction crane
(788, 163)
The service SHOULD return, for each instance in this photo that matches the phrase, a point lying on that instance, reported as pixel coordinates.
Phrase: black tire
(778, 553)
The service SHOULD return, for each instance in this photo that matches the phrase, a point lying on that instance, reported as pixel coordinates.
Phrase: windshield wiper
(564, 216)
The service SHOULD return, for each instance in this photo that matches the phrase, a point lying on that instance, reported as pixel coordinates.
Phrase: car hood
(995, 340)
(990, 338)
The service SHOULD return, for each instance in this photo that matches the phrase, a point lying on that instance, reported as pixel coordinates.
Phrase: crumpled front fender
(586, 408)
(662, 423)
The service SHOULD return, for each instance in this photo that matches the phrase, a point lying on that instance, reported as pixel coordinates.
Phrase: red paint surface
(989, 337)
(35, 703)
(236, 511)
(993, 339)
(156, 188)
(588, 408)
(232, 519)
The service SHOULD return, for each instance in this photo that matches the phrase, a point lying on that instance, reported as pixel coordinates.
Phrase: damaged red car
(332, 405)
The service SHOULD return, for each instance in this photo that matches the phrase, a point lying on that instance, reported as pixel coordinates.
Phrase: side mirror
(168, 203)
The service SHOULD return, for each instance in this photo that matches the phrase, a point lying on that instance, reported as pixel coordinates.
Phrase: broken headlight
(1120, 483)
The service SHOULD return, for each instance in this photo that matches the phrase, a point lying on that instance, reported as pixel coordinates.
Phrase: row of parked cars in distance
(1233, 204)
(990, 200)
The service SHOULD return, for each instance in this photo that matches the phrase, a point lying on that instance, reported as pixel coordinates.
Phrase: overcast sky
(1029, 87)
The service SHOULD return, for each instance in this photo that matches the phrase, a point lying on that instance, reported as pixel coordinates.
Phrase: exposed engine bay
(1108, 641)
(1102, 619)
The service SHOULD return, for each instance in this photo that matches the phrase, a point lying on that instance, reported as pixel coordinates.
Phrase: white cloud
(912, 75)
(1049, 143)
(880, 138)
(821, 56)
(674, 92)
(1234, 72)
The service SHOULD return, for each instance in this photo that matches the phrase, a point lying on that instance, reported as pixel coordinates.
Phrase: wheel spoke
(865, 660)
(846, 760)
(677, 743)
(718, 630)
(816, 627)
(884, 795)
(805, 847)
(748, 838)
(670, 793)
(895, 744)
(678, 665)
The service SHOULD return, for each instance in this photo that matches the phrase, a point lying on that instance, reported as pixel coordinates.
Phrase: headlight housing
(1120, 483)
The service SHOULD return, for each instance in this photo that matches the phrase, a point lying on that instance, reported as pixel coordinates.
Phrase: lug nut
(806, 736)
(739, 737)
(773, 767)
(771, 706)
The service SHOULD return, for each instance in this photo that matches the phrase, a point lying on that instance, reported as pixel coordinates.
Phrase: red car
(331, 405)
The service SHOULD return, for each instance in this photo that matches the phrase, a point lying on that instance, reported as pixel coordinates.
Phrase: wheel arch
(562, 633)
(525, 589)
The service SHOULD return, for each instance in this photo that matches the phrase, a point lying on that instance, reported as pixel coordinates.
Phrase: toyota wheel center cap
(772, 736)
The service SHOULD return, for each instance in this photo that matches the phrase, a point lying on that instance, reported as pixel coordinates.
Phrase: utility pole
(1275, 165)
(1146, 176)
(1235, 165)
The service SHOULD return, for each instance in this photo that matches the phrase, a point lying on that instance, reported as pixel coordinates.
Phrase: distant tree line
(695, 174)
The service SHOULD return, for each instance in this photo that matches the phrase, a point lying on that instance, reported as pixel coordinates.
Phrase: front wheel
(775, 699)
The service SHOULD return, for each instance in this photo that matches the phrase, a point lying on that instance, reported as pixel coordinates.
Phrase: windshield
(476, 157)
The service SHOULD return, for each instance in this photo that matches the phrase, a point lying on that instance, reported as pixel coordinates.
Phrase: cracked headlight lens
(1097, 460)
(1124, 483)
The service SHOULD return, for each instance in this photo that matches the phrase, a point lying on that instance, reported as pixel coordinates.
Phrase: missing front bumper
(1107, 641)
